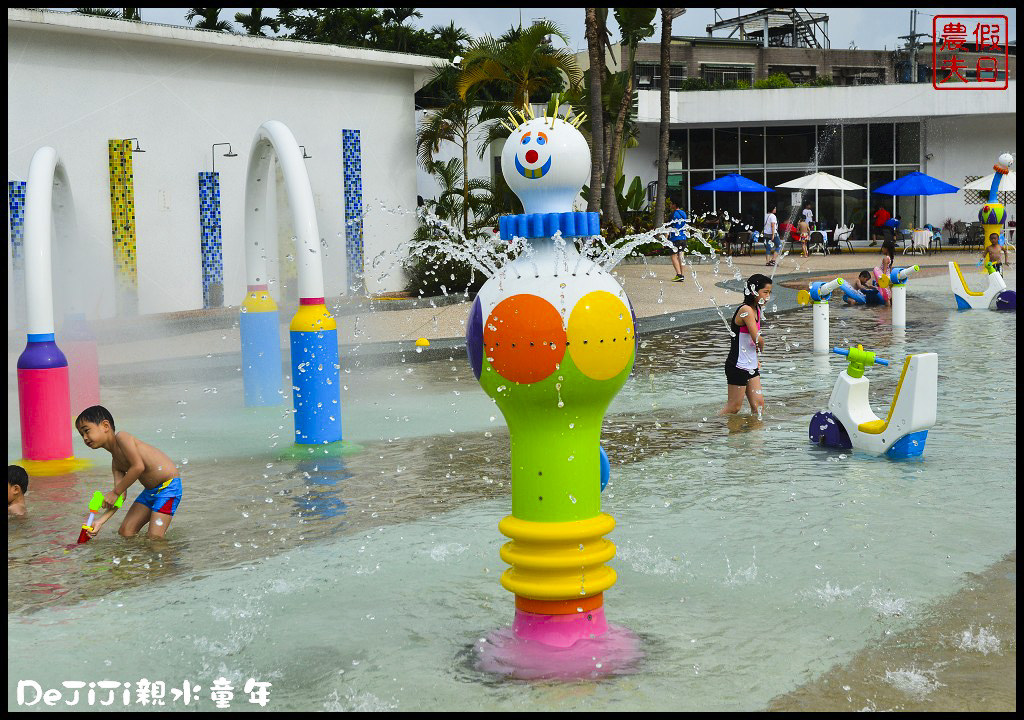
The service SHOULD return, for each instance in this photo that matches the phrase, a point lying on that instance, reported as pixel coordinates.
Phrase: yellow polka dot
(600, 335)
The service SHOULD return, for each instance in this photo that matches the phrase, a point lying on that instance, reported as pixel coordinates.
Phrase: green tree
(254, 21)
(210, 19)
(635, 25)
(667, 16)
(520, 65)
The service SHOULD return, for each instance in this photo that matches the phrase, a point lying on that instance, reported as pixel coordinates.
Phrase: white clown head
(1004, 162)
(546, 162)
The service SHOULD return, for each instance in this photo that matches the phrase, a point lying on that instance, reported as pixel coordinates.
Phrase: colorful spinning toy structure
(552, 339)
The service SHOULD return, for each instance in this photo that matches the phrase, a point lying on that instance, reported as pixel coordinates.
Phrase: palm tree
(522, 64)
(122, 14)
(452, 39)
(254, 22)
(667, 16)
(635, 25)
(210, 19)
(594, 48)
(454, 123)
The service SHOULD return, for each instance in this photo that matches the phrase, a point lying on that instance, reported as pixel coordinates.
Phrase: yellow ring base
(557, 560)
(49, 468)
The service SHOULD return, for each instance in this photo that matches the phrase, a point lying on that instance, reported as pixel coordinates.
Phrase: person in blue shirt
(678, 239)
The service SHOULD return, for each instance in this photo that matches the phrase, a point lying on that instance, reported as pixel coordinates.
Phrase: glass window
(828, 209)
(855, 145)
(701, 201)
(677, 73)
(782, 198)
(830, 145)
(729, 201)
(855, 203)
(727, 149)
(906, 208)
(677, 153)
(908, 142)
(792, 145)
(678, 189)
(880, 143)
(752, 203)
(701, 155)
(752, 147)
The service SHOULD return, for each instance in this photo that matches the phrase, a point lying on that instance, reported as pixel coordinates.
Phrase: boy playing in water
(864, 285)
(133, 460)
(995, 253)
(17, 486)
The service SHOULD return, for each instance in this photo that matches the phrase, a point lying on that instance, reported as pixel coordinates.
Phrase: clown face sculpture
(552, 340)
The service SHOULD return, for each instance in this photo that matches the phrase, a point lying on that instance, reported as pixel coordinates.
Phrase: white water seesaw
(849, 423)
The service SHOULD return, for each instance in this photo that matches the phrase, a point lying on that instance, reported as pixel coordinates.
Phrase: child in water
(17, 486)
(994, 253)
(867, 287)
(131, 460)
(742, 365)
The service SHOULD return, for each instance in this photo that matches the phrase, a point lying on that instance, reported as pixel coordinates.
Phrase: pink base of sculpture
(563, 647)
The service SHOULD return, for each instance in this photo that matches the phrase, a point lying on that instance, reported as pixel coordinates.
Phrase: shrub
(427, 275)
(774, 82)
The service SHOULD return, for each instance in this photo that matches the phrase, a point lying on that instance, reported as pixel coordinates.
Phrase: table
(919, 240)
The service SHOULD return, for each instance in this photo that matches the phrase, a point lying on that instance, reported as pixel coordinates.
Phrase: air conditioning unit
(644, 81)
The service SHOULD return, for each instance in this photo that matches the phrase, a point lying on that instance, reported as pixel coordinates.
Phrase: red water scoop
(95, 506)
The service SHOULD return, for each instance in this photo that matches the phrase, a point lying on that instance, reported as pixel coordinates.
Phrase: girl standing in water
(742, 366)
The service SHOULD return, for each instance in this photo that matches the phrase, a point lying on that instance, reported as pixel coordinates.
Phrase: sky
(867, 29)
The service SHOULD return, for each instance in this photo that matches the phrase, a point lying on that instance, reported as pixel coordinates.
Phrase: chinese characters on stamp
(970, 52)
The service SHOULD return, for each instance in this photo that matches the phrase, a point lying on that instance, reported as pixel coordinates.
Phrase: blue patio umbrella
(734, 183)
(916, 183)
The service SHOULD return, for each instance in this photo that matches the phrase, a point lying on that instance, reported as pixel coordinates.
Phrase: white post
(899, 305)
(821, 326)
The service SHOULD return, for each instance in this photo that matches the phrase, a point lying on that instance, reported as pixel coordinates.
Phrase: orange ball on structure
(524, 339)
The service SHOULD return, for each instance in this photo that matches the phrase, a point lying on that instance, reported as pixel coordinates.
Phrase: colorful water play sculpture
(818, 295)
(44, 392)
(849, 423)
(315, 363)
(552, 339)
(967, 299)
(896, 283)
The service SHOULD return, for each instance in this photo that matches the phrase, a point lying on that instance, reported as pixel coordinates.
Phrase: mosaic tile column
(210, 239)
(122, 224)
(16, 212)
(352, 157)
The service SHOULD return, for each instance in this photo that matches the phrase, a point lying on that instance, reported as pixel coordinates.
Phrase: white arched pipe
(274, 137)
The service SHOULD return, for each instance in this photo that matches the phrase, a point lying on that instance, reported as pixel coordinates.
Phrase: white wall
(962, 146)
(74, 90)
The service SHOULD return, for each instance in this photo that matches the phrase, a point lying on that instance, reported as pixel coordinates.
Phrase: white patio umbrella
(1008, 184)
(820, 181)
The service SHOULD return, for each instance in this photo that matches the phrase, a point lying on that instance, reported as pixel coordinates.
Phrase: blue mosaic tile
(210, 232)
(352, 164)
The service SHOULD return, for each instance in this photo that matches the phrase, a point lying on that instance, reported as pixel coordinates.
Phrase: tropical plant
(210, 19)
(667, 16)
(376, 28)
(254, 21)
(635, 25)
(454, 123)
(596, 39)
(521, 63)
(122, 14)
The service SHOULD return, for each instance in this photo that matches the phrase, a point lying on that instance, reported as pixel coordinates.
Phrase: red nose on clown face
(531, 156)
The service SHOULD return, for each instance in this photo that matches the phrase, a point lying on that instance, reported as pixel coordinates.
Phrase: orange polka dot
(524, 339)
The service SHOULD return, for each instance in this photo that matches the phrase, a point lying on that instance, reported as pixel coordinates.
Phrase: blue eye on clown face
(526, 138)
(541, 139)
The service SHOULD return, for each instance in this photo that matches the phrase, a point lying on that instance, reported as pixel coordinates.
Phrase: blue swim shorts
(163, 499)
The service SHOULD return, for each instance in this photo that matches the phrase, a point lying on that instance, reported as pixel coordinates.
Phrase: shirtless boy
(132, 460)
(995, 253)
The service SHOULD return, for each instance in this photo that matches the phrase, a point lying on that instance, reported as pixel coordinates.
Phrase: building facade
(77, 83)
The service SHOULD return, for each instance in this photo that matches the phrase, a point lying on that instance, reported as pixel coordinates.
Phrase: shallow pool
(749, 561)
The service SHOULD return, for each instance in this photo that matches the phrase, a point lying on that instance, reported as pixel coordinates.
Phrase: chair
(843, 235)
(817, 240)
(746, 242)
(975, 236)
(959, 233)
(936, 242)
